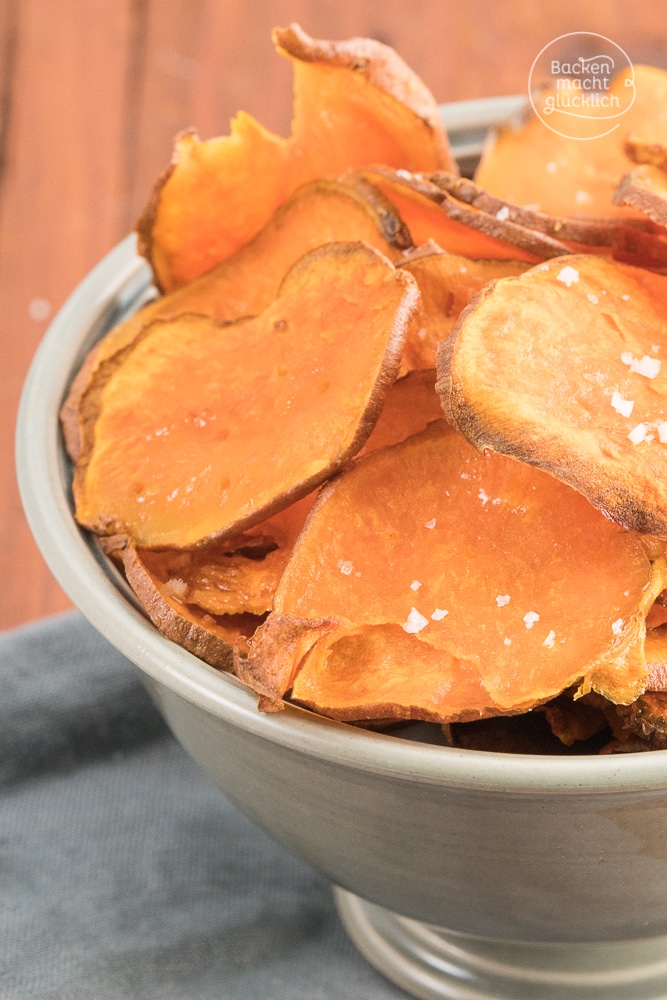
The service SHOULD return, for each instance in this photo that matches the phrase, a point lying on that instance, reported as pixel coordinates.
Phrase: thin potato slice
(213, 638)
(641, 150)
(562, 368)
(411, 404)
(322, 211)
(381, 672)
(355, 103)
(239, 576)
(447, 283)
(431, 213)
(200, 431)
(634, 241)
(645, 188)
(529, 164)
(656, 659)
(485, 558)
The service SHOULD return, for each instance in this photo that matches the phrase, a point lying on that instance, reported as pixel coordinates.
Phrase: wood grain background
(93, 91)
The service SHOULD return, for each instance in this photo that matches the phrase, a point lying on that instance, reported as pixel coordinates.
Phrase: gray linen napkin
(124, 873)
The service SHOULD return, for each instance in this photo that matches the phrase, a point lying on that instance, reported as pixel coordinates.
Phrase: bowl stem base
(432, 963)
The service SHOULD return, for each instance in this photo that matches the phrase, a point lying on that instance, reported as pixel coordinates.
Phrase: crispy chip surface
(356, 103)
(202, 430)
(485, 558)
(564, 368)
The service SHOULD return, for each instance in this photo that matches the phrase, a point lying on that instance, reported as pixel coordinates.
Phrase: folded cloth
(124, 872)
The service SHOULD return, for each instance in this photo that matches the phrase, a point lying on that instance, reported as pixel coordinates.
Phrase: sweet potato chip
(322, 211)
(634, 241)
(381, 672)
(447, 283)
(645, 188)
(431, 213)
(411, 404)
(486, 559)
(213, 638)
(199, 430)
(641, 150)
(656, 659)
(562, 367)
(355, 103)
(529, 164)
(647, 718)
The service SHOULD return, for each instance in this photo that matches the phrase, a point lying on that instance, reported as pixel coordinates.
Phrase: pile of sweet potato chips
(391, 444)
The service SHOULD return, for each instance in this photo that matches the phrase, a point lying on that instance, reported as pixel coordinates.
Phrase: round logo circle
(581, 84)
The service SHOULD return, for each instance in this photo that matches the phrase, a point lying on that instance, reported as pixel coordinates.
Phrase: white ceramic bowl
(459, 873)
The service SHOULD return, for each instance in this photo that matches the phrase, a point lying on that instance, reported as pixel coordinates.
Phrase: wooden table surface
(93, 91)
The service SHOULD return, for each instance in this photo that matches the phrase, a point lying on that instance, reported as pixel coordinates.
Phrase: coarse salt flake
(503, 213)
(638, 433)
(661, 427)
(646, 366)
(483, 496)
(415, 585)
(530, 618)
(622, 406)
(617, 626)
(592, 298)
(507, 642)
(502, 600)
(550, 639)
(650, 367)
(439, 614)
(568, 275)
(415, 622)
(431, 524)
(346, 567)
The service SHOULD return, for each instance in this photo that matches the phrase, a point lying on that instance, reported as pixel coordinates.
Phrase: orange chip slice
(355, 102)
(529, 164)
(244, 284)
(486, 559)
(645, 188)
(432, 213)
(562, 367)
(212, 637)
(382, 672)
(200, 431)
(447, 282)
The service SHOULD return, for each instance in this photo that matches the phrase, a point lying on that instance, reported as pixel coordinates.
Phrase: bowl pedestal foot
(432, 963)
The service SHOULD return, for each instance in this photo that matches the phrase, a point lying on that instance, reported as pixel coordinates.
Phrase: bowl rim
(117, 285)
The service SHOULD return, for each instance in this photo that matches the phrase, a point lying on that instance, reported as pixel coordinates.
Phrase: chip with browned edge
(201, 430)
(563, 367)
(493, 565)
(355, 102)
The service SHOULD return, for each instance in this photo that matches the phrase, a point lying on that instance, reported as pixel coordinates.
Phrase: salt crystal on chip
(415, 622)
(622, 406)
(638, 433)
(549, 641)
(415, 585)
(503, 213)
(439, 614)
(530, 618)
(617, 626)
(502, 600)
(568, 275)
